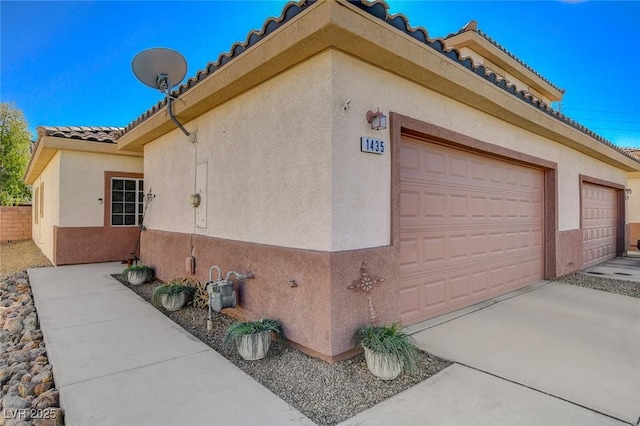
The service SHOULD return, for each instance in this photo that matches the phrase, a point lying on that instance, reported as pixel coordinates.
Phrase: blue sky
(69, 63)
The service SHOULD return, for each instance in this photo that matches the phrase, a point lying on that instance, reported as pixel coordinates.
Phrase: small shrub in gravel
(326, 393)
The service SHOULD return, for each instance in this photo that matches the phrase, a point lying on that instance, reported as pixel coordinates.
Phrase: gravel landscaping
(20, 255)
(611, 285)
(27, 391)
(326, 393)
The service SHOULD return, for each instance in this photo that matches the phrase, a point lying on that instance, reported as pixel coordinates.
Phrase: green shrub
(238, 329)
(389, 339)
(134, 268)
(170, 289)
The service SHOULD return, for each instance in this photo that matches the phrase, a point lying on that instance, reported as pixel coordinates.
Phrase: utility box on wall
(201, 189)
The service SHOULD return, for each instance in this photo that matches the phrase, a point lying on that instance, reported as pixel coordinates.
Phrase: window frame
(108, 196)
(36, 204)
(41, 200)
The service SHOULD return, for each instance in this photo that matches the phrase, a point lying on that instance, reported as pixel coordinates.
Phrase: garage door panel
(409, 252)
(510, 176)
(478, 245)
(458, 287)
(434, 293)
(409, 202)
(423, 294)
(599, 223)
(477, 232)
(479, 207)
(436, 249)
(479, 282)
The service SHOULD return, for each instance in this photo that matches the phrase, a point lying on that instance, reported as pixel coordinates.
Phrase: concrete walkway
(461, 396)
(553, 354)
(620, 268)
(119, 361)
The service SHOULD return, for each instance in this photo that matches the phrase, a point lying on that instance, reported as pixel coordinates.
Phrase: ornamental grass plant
(391, 340)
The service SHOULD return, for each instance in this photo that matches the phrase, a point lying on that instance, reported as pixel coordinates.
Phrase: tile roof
(378, 9)
(634, 151)
(473, 26)
(104, 134)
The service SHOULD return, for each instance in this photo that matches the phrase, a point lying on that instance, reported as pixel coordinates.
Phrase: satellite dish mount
(162, 69)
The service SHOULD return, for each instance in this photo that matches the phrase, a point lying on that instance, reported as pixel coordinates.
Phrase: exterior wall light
(377, 119)
(628, 191)
(194, 200)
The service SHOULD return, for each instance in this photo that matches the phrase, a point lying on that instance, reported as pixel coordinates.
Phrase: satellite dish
(160, 68)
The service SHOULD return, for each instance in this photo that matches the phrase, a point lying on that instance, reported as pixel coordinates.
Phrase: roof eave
(290, 44)
(331, 25)
(48, 146)
(476, 42)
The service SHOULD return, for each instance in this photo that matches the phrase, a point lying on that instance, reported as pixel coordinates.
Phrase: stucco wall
(633, 207)
(633, 202)
(285, 167)
(371, 88)
(82, 184)
(285, 172)
(43, 230)
(268, 155)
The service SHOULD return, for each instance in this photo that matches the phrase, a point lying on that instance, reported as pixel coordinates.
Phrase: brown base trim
(74, 245)
(330, 359)
(569, 251)
(319, 314)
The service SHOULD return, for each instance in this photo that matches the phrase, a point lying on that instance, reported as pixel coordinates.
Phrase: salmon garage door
(471, 228)
(599, 221)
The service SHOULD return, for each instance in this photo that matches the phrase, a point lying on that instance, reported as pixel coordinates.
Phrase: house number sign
(371, 145)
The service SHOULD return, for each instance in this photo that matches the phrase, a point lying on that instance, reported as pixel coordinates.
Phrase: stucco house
(473, 187)
(85, 195)
(633, 201)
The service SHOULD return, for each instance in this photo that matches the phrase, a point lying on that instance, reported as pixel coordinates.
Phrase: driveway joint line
(80, 294)
(134, 368)
(66, 327)
(546, 393)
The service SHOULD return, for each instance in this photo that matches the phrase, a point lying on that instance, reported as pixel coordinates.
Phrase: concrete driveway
(578, 345)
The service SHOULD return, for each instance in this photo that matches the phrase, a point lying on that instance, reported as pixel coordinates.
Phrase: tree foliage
(15, 140)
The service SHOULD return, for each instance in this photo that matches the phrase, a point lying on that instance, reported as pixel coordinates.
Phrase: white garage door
(599, 221)
(471, 228)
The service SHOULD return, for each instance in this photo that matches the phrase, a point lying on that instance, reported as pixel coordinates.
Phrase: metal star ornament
(365, 284)
(366, 281)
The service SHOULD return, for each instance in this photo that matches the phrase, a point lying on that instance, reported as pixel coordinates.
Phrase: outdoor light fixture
(628, 191)
(377, 119)
(194, 200)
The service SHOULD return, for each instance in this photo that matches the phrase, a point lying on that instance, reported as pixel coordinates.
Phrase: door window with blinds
(127, 197)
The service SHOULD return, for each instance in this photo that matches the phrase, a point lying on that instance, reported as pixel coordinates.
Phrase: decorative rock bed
(610, 285)
(27, 391)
